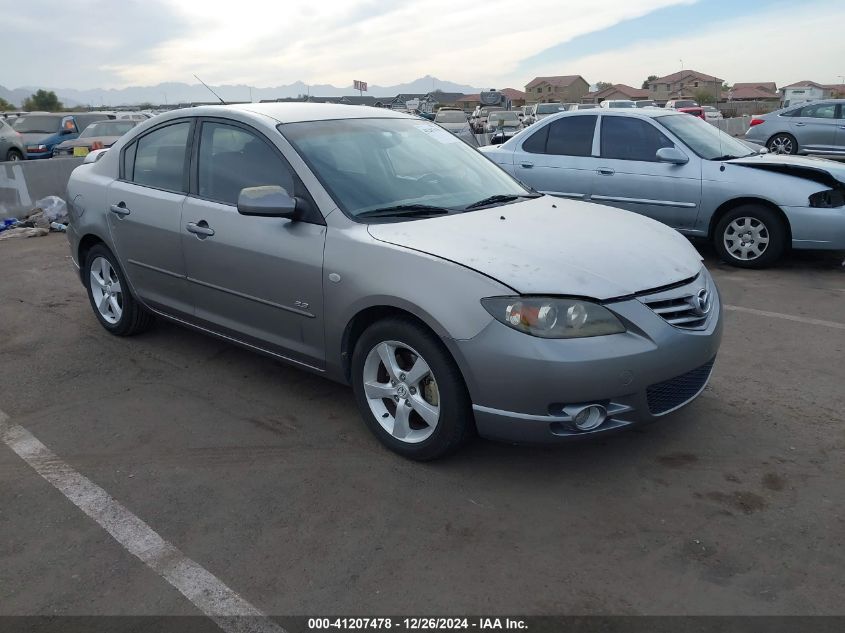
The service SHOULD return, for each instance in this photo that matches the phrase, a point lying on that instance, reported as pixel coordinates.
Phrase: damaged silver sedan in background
(688, 174)
(381, 251)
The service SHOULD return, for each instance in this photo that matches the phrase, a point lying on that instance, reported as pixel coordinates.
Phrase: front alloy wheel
(409, 390)
(401, 391)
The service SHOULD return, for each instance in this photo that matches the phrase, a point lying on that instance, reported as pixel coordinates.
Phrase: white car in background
(712, 114)
(617, 104)
(453, 120)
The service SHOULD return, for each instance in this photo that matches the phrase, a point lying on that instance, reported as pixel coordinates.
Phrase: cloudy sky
(116, 43)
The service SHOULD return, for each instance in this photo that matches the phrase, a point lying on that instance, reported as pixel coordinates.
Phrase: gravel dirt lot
(265, 475)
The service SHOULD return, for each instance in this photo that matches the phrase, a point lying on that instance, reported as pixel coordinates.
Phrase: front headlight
(551, 317)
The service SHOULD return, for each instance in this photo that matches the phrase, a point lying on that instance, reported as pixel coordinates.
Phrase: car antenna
(210, 90)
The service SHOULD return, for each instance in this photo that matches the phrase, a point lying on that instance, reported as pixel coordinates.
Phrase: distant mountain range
(187, 93)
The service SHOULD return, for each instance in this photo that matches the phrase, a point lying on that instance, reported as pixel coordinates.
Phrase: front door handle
(606, 171)
(526, 165)
(119, 209)
(200, 229)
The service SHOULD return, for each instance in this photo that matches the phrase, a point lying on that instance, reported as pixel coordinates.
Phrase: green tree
(603, 85)
(703, 96)
(5, 105)
(43, 100)
(648, 81)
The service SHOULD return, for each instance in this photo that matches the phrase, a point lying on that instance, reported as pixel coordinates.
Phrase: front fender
(370, 273)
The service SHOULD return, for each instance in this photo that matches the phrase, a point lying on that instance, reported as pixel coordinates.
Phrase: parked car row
(39, 135)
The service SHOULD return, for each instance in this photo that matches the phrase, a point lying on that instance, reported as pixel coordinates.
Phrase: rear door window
(819, 111)
(567, 136)
(160, 158)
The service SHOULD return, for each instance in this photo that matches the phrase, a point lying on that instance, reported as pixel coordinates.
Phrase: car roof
(640, 113)
(295, 112)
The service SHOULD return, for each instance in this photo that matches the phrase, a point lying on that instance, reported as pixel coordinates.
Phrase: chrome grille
(688, 306)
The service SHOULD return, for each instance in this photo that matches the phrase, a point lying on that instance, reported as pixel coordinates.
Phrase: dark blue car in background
(41, 131)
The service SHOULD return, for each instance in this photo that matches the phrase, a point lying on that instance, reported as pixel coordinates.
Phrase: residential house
(684, 83)
(562, 89)
(400, 101)
(616, 92)
(750, 91)
(441, 99)
(468, 102)
(810, 91)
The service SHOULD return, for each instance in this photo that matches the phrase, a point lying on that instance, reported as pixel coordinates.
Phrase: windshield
(38, 123)
(548, 108)
(370, 164)
(107, 128)
(450, 116)
(704, 139)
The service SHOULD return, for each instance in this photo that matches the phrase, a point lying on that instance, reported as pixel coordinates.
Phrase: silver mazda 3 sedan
(381, 251)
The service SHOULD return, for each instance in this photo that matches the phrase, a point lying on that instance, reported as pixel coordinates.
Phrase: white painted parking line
(208, 593)
(787, 317)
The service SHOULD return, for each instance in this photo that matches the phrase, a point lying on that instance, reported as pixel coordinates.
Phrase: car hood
(554, 246)
(821, 170)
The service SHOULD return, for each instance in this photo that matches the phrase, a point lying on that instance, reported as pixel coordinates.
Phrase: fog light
(590, 417)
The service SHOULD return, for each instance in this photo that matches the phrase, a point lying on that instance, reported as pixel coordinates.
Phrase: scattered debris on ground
(9, 234)
(50, 213)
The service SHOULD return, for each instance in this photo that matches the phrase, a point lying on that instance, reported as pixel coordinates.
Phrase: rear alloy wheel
(750, 236)
(114, 306)
(14, 155)
(783, 144)
(409, 390)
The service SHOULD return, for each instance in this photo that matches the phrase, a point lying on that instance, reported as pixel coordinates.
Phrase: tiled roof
(561, 81)
(629, 91)
(683, 74)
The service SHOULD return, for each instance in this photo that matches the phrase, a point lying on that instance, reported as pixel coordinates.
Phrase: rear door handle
(606, 171)
(799, 124)
(119, 209)
(526, 165)
(200, 228)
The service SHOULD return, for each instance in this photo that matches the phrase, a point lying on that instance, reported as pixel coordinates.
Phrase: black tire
(14, 154)
(760, 219)
(782, 143)
(455, 425)
(134, 318)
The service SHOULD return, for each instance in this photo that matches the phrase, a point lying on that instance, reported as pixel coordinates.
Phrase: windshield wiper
(731, 156)
(404, 210)
(499, 197)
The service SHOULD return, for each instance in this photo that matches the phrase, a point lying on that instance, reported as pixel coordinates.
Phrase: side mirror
(672, 155)
(267, 202)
